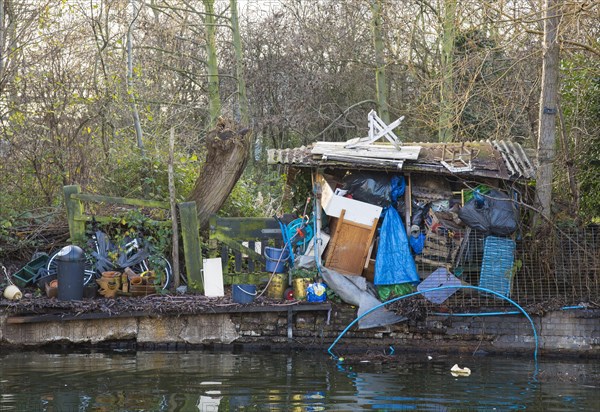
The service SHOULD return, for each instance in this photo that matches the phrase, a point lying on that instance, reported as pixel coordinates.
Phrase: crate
(27, 273)
(497, 265)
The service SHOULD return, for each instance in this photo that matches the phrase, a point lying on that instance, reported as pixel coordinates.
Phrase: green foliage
(303, 273)
(589, 178)
(255, 196)
(580, 103)
(131, 174)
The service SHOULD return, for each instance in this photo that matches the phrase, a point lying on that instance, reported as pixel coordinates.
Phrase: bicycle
(105, 256)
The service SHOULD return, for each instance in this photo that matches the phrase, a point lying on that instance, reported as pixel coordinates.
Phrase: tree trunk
(214, 98)
(445, 120)
(548, 106)
(380, 79)
(239, 64)
(226, 158)
(2, 37)
(130, 89)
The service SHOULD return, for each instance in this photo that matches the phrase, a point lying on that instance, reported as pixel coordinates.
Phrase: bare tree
(548, 106)
(214, 97)
(130, 89)
(380, 78)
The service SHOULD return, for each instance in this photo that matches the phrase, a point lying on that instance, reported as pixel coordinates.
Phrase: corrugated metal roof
(501, 159)
(516, 160)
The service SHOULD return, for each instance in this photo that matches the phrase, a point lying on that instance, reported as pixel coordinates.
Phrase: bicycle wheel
(161, 268)
(89, 272)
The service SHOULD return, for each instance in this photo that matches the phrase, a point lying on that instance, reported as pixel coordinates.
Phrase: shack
(461, 207)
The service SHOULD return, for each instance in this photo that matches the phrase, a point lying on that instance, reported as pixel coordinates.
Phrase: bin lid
(70, 253)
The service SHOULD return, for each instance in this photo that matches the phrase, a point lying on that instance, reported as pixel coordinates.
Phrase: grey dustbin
(70, 262)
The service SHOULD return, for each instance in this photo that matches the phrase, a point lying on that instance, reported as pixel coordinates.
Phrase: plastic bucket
(243, 293)
(277, 286)
(276, 259)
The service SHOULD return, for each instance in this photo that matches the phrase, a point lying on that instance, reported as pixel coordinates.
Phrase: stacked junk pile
(130, 269)
(378, 236)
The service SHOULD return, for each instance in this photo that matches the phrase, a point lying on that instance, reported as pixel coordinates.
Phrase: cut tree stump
(228, 149)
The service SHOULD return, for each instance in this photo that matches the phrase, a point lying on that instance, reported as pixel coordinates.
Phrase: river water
(298, 381)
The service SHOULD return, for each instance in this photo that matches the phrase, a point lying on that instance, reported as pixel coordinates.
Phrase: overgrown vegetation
(65, 96)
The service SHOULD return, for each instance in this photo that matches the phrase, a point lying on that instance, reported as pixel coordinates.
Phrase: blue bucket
(243, 293)
(276, 259)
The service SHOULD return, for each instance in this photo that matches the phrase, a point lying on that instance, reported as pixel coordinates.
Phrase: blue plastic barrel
(243, 293)
(276, 259)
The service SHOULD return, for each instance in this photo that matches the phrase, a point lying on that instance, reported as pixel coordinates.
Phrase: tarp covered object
(354, 290)
(394, 262)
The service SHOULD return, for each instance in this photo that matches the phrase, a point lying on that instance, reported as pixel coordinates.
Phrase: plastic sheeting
(496, 215)
(417, 243)
(355, 290)
(394, 263)
(374, 188)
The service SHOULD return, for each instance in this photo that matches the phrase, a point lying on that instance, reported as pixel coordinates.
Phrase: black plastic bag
(497, 215)
(419, 211)
(503, 214)
(475, 217)
(373, 188)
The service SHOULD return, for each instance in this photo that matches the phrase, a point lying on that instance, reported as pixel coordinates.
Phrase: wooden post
(407, 202)
(172, 201)
(74, 213)
(190, 232)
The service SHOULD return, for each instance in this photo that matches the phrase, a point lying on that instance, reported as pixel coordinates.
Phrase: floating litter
(458, 371)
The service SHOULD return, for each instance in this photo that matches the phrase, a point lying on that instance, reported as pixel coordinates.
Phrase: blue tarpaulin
(394, 263)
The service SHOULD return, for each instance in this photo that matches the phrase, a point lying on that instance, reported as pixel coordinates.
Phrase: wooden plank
(367, 251)
(225, 258)
(256, 278)
(431, 262)
(365, 161)
(62, 317)
(74, 213)
(381, 151)
(190, 233)
(211, 309)
(244, 229)
(329, 261)
(238, 247)
(251, 264)
(112, 219)
(238, 261)
(86, 197)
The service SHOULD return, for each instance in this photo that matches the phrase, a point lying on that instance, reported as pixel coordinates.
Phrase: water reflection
(305, 381)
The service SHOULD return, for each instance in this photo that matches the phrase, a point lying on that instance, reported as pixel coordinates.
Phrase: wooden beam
(112, 219)
(190, 233)
(74, 213)
(210, 309)
(86, 197)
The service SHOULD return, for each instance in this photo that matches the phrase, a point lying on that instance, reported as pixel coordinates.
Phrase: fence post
(190, 233)
(74, 213)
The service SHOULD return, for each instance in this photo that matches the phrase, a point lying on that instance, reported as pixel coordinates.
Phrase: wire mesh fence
(562, 266)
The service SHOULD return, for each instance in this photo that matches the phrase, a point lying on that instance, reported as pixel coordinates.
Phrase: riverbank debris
(458, 371)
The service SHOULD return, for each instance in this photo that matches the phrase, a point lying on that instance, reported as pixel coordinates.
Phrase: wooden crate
(349, 246)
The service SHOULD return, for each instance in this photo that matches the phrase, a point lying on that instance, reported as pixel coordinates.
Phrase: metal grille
(561, 267)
